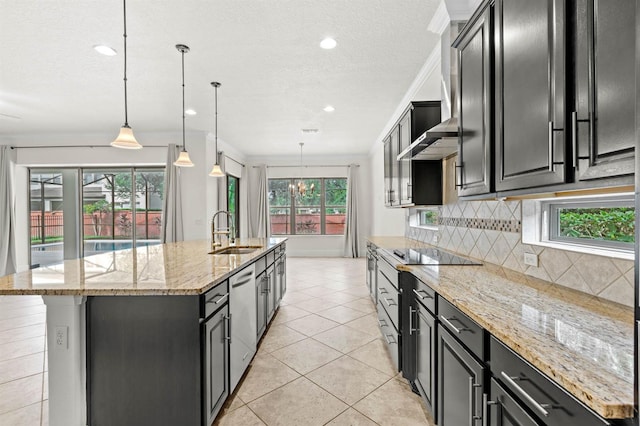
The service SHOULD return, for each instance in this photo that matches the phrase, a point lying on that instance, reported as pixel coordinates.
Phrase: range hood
(441, 140)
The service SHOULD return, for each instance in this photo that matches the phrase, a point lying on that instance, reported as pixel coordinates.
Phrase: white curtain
(7, 214)
(172, 205)
(352, 231)
(222, 193)
(259, 205)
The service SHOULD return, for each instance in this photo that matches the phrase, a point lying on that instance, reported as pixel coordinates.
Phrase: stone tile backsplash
(491, 231)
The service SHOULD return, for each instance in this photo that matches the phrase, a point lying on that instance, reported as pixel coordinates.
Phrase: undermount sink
(235, 250)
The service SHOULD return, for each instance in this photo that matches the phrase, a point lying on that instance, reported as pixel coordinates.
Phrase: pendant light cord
(216, 105)
(184, 144)
(126, 112)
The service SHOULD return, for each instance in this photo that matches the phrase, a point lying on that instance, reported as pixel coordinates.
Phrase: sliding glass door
(46, 217)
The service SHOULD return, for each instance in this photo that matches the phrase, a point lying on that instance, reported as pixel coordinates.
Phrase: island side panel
(144, 360)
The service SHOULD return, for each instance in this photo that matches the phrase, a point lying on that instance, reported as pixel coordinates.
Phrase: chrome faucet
(230, 231)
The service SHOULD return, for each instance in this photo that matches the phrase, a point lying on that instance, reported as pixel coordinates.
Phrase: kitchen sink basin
(235, 250)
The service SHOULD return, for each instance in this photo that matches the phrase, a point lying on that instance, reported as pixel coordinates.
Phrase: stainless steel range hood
(441, 140)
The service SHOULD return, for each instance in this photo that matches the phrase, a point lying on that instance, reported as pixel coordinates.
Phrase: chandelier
(300, 188)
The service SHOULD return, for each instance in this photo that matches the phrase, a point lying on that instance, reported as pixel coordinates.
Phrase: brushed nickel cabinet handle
(541, 408)
(447, 321)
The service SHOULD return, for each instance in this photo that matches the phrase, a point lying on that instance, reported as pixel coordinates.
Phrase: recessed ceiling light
(329, 108)
(190, 112)
(328, 43)
(105, 50)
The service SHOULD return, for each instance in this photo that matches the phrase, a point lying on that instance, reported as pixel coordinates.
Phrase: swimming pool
(48, 254)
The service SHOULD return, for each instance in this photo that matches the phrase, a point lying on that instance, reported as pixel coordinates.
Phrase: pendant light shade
(183, 159)
(125, 138)
(216, 170)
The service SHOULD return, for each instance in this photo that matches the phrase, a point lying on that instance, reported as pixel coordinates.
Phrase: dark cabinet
(503, 410)
(409, 182)
(425, 331)
(262, 294)
(281, 278)
(603, 114)
(371, 277)
(530, 96)
(271, 292)
(475, 106)
(460, 383)
(391, 169)
(216, 339)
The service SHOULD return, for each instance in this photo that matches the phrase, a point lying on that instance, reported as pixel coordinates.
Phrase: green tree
(97, 210)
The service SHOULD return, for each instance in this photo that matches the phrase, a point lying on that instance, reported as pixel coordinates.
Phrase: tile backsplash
(491, 231)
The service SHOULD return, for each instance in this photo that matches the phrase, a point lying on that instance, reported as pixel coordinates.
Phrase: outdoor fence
(98, 225)
(307, 224)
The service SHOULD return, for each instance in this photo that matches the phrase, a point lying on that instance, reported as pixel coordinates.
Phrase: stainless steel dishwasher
(242, 306)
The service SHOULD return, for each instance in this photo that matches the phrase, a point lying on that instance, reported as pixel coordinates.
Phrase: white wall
(322, 245)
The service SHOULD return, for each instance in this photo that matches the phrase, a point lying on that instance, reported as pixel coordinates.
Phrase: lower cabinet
(271, 292)
(216, 339)
(425, 355)
(262, 292)
(460, 383)
(503, 410)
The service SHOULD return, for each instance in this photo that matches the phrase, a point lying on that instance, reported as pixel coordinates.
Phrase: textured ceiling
(275, 78)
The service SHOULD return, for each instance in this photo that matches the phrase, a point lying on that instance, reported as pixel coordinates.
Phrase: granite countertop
(582, 342)
(183, 268)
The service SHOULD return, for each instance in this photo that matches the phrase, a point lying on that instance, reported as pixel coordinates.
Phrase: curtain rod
(83, 146)
(309, 165)
(231, 158)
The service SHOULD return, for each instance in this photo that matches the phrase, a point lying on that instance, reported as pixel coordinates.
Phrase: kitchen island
(174, 275)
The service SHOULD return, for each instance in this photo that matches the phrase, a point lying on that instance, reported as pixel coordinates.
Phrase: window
(233, 201)
(428, 217)
(122, 208)
(321, 211)
(46, 217)
(601, 225)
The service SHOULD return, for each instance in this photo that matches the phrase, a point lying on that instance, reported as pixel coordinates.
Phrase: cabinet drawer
(388, 299)
(461, 326)
(389, 334)
(214, 299)
(271, 256)
(425, 295)
(261, 265)
(390, 273)
(551, 403)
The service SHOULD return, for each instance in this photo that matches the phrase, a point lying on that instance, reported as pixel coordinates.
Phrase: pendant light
(300, 188)
(125, 138)
(183, 159)
(216, 171)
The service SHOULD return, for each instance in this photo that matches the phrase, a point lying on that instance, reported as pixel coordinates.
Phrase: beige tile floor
(322, 361)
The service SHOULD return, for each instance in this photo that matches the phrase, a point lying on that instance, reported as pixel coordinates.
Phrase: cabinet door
(473, 171)
(394, 182)
(603, 117)
(503, 410)
(278, 286)
(387, 171)
(460, 383)
(261, 305)
(404, 182)
(216, 363)
(425, 354)
(271, 292)
(530, 93)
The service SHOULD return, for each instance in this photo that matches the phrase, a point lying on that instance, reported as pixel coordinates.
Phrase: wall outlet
(531, 259)
(436, 238)
(61, 337)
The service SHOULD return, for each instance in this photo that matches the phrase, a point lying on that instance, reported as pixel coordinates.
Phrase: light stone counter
(582, 342)
(182, 268)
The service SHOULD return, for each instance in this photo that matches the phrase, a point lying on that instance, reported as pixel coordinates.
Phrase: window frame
(293, 206)
(540, 224)
(236, 213)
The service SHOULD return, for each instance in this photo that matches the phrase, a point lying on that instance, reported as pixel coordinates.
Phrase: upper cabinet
(530, 93)
(603, 114)
(411, 182)
(475, 56)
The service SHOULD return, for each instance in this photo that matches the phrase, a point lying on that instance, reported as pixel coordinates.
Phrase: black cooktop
(430, 256)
